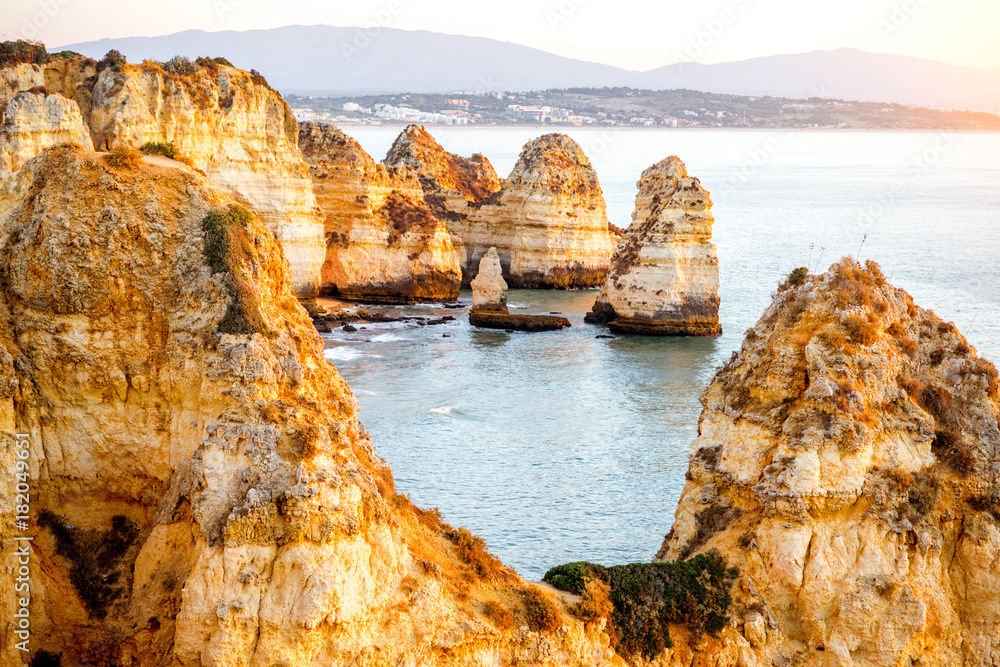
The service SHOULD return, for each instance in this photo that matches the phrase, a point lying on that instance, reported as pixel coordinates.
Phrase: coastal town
(628, 107)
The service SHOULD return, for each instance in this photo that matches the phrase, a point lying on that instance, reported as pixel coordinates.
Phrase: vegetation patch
(100, 559)
(710, 521)
(124, 157)
(166, 149)
(113, 59)
(542, 613)
(474, 553)
(795, 279)
(22, 51)
(180, 66)
(647, 597)
(227, 249)
(499, 615)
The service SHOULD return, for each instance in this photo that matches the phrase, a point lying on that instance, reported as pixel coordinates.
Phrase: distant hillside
(327, 60)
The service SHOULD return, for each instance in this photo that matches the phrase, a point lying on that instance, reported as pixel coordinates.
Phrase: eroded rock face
(664, 277)
(548, 220)
(489, 291)
(202, 491)
(227, 122)
(847, 464)
(33, 122)
(384, 245)
(440, 171)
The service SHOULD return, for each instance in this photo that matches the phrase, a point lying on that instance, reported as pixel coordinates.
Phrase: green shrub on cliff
(647, 597)
(16, 52)
(227, 250)
(165, 149)
(113, 59)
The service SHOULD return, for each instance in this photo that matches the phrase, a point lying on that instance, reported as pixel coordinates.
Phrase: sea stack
(846, 464)
(489, 302)
(202, 492)
(489, 291)
(664, 277)
(384, 245)
(548, 220)
(227, 122)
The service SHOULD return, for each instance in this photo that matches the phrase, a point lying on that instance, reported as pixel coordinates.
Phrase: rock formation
(664, 277)
(489, 302)
(847, 463)
(201, 490)
(383, 243)
(34, 121)
(489, 291)
(548, 220)
(229, 123)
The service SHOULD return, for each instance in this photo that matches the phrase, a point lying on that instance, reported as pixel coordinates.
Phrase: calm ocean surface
(559, 446)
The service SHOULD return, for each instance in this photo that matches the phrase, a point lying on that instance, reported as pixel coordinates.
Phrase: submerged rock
(548, 220)
(384, 245)
(664, 277)
(204, 492)
(489, 302)
(847, 464)
(226, 122)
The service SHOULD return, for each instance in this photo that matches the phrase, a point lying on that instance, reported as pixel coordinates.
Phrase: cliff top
(557, 164)
(473, 177)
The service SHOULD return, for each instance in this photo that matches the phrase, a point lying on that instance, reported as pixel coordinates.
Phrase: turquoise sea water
(560, 446)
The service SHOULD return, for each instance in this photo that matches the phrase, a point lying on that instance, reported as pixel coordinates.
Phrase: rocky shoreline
(204, 493)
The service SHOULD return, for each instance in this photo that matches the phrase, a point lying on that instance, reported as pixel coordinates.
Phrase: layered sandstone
(548, 220)
(34, 121)
(201, 490)
(384, 245)
(229, 123)
(847, 463)
(664, 277)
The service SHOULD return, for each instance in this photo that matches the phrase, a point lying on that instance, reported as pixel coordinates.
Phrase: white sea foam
(347, 353)
(443, 410)
(386, 338)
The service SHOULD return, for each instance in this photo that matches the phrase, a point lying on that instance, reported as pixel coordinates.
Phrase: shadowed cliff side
(847, 463)
(203, 493)
(384, 245)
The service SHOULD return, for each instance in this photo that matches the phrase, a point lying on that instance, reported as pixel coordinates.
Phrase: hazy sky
(636, 34)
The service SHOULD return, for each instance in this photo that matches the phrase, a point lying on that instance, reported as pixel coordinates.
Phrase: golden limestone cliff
(847, 464)
(664, 277)
(226, 122)
(384, 245)
(548, 220)
(34, 121)
(201, 490)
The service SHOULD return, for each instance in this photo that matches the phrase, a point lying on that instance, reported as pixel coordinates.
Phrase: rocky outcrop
(384, 245)
(548, 220)
(440, 172)
(847, 464)
(34, 121)
(489, 302)
(229, 123)
(664, 277)
(201, 490)
(489, 291)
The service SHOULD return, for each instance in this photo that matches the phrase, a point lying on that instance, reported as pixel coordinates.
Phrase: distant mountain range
(333, 61)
